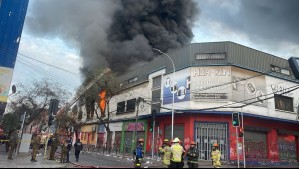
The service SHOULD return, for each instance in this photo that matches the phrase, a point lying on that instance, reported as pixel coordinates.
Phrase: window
(285, 71)
(283, 103)
(157, 82)
(131, 105)
(210, 56)
(156, 95)
(121, 107)
(277, 69)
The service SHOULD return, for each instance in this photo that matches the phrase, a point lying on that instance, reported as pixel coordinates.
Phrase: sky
(80, 34)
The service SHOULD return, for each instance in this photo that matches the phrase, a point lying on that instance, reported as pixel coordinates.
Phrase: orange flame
(102, 102)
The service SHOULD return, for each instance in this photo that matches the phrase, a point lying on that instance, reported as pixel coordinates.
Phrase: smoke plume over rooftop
(117, 34)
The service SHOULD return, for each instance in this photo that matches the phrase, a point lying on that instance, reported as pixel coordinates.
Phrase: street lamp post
(172, 114)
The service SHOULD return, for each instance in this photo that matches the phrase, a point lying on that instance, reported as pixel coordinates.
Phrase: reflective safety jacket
(176, 151)
(216, 158)
(166, 153)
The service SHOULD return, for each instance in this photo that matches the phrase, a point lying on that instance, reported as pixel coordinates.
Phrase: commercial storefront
(128, 141)
(264, 142)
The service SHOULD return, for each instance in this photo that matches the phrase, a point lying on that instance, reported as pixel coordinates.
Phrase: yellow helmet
(166, 140)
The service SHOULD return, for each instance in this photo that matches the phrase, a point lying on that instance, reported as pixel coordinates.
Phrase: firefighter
(35, 146)
(216, 156)
(177, 151)
(63, 151)
(138, 153)
(54, 146)
(192, 155)
(13, 143)
(166, 153)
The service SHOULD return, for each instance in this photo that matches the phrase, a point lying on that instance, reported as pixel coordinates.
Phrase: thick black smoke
(113, 33)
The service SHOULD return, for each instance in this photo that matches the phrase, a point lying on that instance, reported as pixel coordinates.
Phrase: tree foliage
(10, 122)
(34, 99)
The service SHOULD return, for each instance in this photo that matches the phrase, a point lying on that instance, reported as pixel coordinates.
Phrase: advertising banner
(5, 80)
(211, 83)
(180, 87)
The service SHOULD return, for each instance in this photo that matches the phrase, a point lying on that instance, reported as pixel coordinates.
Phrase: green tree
(10, 122)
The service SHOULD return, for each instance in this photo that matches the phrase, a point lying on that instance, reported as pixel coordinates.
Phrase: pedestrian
(192, 155)
(176, 151)
(35, 146)
(216, 156)
(13, 143)
(54, 146)
(78, 147)
(63, 151)
(166, 153)
(138, 154)
(68, 148)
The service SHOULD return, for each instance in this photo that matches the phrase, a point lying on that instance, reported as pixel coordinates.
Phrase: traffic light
(154, 112)
(50, 121)
(151, 127)
(236, 119)
(241, 132)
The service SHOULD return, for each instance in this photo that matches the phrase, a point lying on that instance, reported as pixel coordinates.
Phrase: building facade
(12, 16)
(212, 81)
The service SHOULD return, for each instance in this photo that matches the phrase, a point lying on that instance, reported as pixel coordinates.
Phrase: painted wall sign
(211, 83)
(5, 80)
(248, 87)
(131, 126)
(276, 89)
(180, 87)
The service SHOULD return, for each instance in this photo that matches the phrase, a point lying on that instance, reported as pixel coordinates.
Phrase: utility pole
(21, 135)
(154, 126)
(136, 119)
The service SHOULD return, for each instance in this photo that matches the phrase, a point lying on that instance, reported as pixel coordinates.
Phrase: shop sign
(131, 127)
(216, 96)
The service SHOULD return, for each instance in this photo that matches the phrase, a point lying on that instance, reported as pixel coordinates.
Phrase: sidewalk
(23, 161)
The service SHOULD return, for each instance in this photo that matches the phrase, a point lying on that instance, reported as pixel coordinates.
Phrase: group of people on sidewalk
(173, 154)
(66, 146)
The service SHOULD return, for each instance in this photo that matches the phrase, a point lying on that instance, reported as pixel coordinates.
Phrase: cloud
(50, 51)
(266, 25)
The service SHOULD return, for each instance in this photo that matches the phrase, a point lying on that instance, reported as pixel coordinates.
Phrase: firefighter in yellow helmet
(176, 151)
(216, 156)
(166, 153)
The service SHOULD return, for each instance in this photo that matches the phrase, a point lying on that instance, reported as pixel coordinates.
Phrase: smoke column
(117, 34)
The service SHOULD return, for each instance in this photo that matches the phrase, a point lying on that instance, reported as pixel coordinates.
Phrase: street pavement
(23, 161)
(93, 160)
(100, 160)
